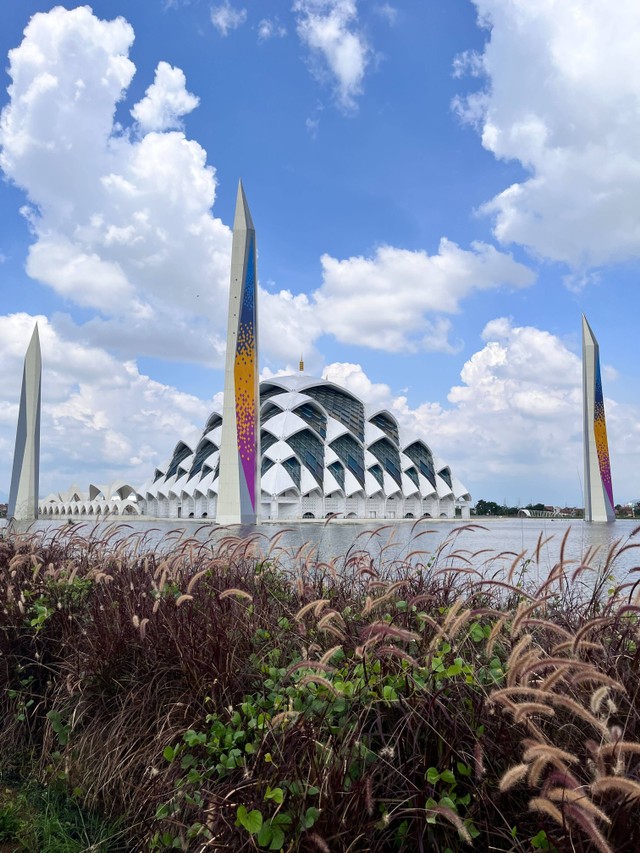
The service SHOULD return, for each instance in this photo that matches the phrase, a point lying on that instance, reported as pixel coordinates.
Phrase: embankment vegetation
(242, 697)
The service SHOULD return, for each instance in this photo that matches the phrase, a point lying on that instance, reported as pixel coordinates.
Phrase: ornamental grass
(242, 696)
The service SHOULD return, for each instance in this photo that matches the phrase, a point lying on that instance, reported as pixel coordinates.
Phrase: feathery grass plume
(394, 651)
(561, 673)
(195, 580)
(525, 609)
(597, 698)
(308, 664)
(588, 627)
(453, 819)
(578, 798)
(459, 623)
(515, 673)
(621, 746)
(550, 753)
(545, 806)
(618, 785)
(235, 593)
(594, 676)
(326, 657)
(283, 718)
(583, 646)
(319, 843)
(331, 616)
(513, 776)
(586, 823)
(182, 599)
(378, 631)
(318, 603)
(493, 636)
(524, 709)
(318, 679)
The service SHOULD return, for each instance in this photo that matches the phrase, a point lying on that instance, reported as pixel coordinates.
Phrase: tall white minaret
(239, 480)
(598, 491)
(25, 477)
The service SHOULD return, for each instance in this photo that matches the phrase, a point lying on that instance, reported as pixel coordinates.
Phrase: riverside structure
(598, 489)
(293, 447)
(25, 476)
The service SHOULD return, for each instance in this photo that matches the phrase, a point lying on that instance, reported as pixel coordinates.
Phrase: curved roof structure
(322, 451)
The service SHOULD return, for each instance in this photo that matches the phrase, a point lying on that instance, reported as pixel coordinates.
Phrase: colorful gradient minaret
(598, 490)
(239, 481)
(25, 477)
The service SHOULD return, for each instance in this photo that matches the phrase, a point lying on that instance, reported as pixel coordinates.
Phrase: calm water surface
(481, 542)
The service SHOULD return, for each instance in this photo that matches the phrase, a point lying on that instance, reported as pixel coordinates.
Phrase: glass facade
(179, 455)
(351, 454)
(267, 391)
(269, 411)
(376, 470)
(214, 421)
(446, 476)
(203, 451)
(266, 440)
(388, 456)
(412, 474)
(292, 467)
(338, 472)
(310, 451)
(388, 426)
(341, 406)
(419, 454)
(313, 417)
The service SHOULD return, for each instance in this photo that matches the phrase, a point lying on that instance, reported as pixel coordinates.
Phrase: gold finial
(301, 366)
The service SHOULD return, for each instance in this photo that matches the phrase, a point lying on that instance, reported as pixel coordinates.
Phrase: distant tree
(536, 506)
(489, 508)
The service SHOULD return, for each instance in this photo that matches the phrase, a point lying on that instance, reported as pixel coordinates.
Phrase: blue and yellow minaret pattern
(239, 483)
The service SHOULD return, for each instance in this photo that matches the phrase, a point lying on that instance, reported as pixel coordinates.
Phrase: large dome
(322, 452)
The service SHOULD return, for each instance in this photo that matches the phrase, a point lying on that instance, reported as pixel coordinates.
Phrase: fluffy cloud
(101, 418)
(338, 48)
(563, 98)
(516, 417)
(122, 218)
(122, 221)
(226, 18)
(165, 101)
(395, 300)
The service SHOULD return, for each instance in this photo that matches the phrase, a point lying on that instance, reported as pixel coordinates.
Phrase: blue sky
(440, 188)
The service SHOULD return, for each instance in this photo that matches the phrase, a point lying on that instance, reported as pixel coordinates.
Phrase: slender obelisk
(239, 480)
(598, 491)
(25, 478)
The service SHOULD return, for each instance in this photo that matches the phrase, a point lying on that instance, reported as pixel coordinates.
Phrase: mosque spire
(25, 477)
(598, 491)
(239, 480)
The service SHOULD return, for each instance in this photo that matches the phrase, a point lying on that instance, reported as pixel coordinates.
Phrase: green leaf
(448, 777)
(278, 839)
(275, 794)
(310, 817)
(448, 803)
(251, 821)
(265, 835)
(433, 776)
(463, 769)
(169, 753)
(389, 694)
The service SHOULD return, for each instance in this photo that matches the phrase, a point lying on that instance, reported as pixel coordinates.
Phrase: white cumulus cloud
(165, 101)
(396, 299)
(329, 28)
(563, 99)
